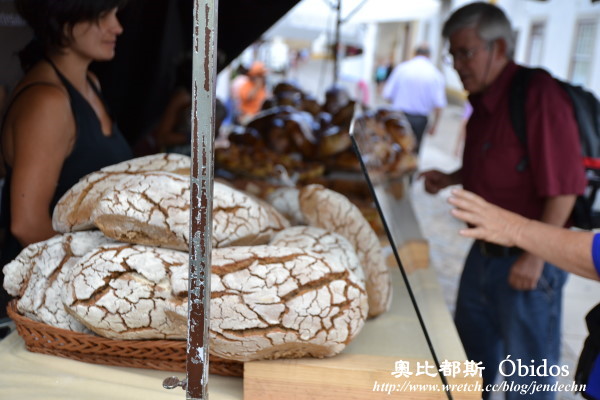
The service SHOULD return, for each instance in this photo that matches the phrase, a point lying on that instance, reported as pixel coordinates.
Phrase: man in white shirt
(416, 88)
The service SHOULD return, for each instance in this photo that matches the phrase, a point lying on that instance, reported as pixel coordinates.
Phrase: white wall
(561, 17)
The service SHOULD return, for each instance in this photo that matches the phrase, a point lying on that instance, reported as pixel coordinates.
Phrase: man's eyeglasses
(462, 55)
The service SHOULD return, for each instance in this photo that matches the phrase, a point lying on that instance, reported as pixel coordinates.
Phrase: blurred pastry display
(295, 141)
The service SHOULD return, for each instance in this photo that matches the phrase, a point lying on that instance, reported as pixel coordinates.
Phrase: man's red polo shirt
(493, 151)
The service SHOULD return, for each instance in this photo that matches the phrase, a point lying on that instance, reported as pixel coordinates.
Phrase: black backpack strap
(516, 107)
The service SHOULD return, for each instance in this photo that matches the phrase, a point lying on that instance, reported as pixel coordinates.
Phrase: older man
(509, 300)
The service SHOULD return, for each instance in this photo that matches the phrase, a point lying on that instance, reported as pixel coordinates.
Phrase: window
(536, 44)
(583, 52)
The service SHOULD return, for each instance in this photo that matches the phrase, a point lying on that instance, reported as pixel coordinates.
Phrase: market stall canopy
(399, 10)
(312, 18)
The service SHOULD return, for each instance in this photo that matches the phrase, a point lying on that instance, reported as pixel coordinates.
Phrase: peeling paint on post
(203, 110)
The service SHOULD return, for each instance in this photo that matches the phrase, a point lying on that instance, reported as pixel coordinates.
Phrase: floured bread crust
(242, 220)
(74, 209)
(322, 242)
(150, 208)
(121, 291)
(274, 302)
(36, 277)
(333, 211)
(266, 302)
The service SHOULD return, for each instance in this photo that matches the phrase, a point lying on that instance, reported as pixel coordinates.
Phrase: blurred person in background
(252, 92)
(416, 87)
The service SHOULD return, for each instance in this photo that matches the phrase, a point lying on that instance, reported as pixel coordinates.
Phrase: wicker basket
(165, 355)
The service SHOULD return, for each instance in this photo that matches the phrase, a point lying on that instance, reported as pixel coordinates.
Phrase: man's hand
(436, 180)
(525, 272)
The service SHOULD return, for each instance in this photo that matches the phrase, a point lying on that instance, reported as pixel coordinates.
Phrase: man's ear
(500, 46)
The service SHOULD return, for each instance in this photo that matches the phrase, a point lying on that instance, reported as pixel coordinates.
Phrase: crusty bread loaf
(325, 243)
(266, 302)
(150, 208)
(36, 276)
(153, 209)
(120, 291)
(286, 201)
(242, 220)
(333, 211)
(274, 302)
(74, 209)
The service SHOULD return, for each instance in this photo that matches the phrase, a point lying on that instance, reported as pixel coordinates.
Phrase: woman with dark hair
(56, 127)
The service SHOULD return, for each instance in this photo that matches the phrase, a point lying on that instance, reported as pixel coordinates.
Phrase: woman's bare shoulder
(40, 89)
(40, 106)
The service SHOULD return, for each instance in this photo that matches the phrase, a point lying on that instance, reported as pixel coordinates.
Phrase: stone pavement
(448, 249)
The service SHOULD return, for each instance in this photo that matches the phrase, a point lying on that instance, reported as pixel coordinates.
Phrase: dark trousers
(495, 321)
(418, 124)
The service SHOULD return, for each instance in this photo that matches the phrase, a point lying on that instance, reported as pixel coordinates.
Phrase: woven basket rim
(161, 354)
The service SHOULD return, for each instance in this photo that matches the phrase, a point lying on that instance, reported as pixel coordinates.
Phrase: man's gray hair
(423, 50)
(489, 21)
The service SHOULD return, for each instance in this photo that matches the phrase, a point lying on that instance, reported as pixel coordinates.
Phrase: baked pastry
(333, 211)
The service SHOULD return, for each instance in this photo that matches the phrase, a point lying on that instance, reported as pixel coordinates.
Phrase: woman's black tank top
(92, 150)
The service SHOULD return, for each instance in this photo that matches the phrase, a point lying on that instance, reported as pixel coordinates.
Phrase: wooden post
(336, 44)
(203, 127)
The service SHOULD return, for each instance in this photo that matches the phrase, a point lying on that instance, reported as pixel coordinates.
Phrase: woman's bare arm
(42, 133)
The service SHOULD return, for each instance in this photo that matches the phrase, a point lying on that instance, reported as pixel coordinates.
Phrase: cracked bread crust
(332, 211)
(272, 302)
(322, 242)
(73, 211)
(153, 209)
(242, 220)
(149, 208)
(36, 277)
(267, 302)
(121, 291)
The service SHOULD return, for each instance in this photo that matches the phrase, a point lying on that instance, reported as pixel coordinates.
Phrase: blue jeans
(494, 321)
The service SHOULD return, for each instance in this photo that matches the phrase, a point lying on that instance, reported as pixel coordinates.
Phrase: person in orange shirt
(253, 92)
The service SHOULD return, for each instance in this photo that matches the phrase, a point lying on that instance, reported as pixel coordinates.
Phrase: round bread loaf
(333, 211)
(150, 208)
(36, 276)
(73, 211)
(266, 302)
(272, 302)
(120, 291)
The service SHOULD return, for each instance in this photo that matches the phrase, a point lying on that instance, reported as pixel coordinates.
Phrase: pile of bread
(311, 140)
(293, 276)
